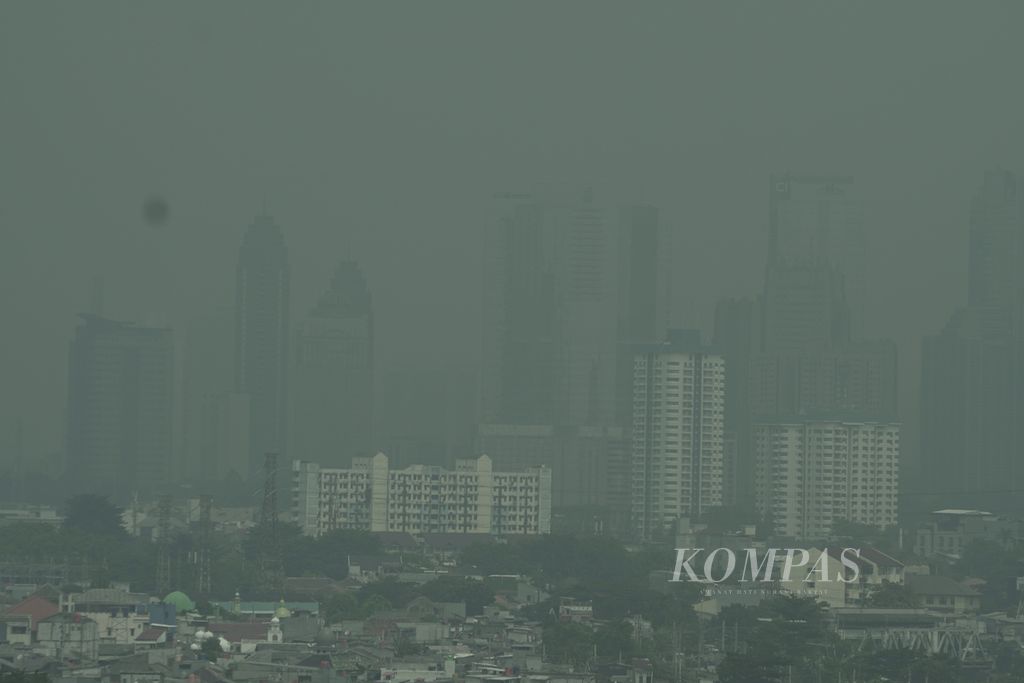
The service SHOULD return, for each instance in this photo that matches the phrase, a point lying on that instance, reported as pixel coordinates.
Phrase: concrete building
(225, 432)
(874, 568)
(948, 532)
(261, 338)
(971, 431)
(28, 513)
(818, 220)
(431, 416)
(586, 461)
(943, 594)
(332, 391)
(995, 280)
(812, 472)
(803, 308)
(120, 407)
(570, 286)
(419, 499)
(207, 379)
(678, 432)
(215, 417)
(856, 379)
(736, 337)
(68, 635)
(972, 372)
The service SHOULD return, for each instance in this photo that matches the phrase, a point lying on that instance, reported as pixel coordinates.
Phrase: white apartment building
(371, 496)
(811, 473)
(678, 433)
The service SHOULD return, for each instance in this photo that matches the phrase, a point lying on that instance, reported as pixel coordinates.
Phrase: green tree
(751, 668)
(93, 514)
(998, 566)
(394, 593)
(459, 589)
(568, 643)
(23, 677)
(211, 648)
(891, 595)
(613, 640)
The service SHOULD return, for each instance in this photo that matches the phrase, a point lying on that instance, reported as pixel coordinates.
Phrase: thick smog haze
(511, 342)
(381, 133)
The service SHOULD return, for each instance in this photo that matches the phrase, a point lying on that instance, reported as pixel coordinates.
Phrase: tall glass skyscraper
(332, 391)
(261, 337)
(120, 407)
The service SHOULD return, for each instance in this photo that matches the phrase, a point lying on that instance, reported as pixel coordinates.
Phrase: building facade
(261, 337)
(570, 286)
(817, 220)
(332, 391)
(120, 407)
(858, 379)
(972, 372)
(371, 496)
(812, 473)
(678, 433)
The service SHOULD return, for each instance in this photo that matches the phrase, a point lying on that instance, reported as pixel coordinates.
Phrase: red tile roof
(35, 607)
(237, 631)
(151, 634)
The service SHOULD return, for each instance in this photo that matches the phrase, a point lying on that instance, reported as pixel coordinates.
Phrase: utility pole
(163, 556)
(205, 541)
(270, 562)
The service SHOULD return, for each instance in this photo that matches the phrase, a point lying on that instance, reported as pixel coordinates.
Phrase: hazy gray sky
(380, 130)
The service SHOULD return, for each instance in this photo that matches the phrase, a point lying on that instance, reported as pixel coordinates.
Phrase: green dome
(182, 603)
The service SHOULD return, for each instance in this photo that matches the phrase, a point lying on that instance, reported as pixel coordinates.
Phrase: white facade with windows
(678, 435)
(421, 499)
(811, 473)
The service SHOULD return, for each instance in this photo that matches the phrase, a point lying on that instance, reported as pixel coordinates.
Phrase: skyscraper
(678, 432)
(120, 407)
(802, 356)
(569, 287)
(803, 309)
(261, 337)
(332, 399)
(208, 387)
(856, 380)
(818, 221)
(996, 259)
(813, 473)
(736, 338)
(972, 373)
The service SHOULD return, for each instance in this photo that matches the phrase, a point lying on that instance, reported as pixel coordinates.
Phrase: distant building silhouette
(972, 372)
(803, 309)
(120, 407)
(817, 220)
(996, 257)
(431, 413)
(856, 380)
(333, 389)
(215, 418)
(797, 353)
(570, 286)
(261, 337)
